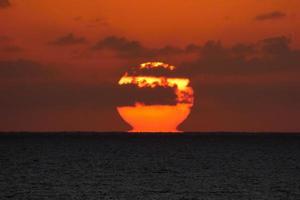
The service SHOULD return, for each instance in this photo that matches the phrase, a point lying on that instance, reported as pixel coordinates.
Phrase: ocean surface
(130, 166)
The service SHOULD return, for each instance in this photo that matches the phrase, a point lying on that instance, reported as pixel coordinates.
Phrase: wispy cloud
(275, 15)
(4, 3)
(69, 39)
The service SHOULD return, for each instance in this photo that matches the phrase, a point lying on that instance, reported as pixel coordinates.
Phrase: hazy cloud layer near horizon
(241, 80)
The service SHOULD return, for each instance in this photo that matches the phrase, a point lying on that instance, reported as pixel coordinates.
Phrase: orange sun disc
(158, 117)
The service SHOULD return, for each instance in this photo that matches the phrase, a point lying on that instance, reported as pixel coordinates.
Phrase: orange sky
(153, 22)
(33, 29)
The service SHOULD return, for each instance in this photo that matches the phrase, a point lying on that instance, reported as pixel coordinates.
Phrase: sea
(117, 166)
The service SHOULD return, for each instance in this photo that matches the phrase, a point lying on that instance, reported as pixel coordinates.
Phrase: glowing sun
(156, 117)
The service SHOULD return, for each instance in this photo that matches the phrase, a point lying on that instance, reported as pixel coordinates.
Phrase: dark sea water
(125, 166)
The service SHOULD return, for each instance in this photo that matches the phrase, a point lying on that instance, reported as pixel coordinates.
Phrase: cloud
(130, 94)
(22, 69)
(32, 87)
(52, 95)
(212, 56)
(12, 49)
(125, 48)
(56, 95)
(78, 18)
(100, 21)
(264, 57)
(268, 56)
(248, 107)
(135, 70)
(275, 15)
(68, 40)
(4, 3)
(59, 105)
(248, 96)
(4, 38)
(28, 85)
(276, 45)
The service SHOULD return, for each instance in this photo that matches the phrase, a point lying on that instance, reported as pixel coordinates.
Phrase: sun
(157, 117)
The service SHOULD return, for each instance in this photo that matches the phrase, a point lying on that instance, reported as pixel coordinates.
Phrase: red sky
(60, 61)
